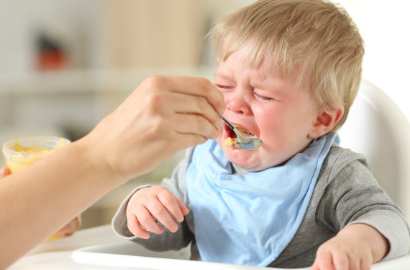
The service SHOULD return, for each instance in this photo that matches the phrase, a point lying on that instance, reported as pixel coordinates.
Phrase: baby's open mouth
(244, 141)
(241, 129)
(248, 140)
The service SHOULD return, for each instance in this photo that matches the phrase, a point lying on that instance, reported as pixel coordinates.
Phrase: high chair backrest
(377, 128)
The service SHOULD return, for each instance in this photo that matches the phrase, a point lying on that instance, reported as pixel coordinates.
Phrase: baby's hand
(355, 247)
(152, 204)
(340, 253)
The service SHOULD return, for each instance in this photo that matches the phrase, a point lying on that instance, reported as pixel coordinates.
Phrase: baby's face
(274, 109)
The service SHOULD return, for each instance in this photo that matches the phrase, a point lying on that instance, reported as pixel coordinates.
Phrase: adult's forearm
(39, 200)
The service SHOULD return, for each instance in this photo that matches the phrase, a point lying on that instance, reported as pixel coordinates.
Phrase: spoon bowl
(243, 142)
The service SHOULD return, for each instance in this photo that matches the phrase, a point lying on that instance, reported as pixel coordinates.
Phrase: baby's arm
(357, 246)
(151, 204)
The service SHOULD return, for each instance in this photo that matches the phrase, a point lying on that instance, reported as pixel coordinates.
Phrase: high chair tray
(134, 256)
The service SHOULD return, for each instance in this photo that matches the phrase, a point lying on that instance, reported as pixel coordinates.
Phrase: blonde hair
(314, 39)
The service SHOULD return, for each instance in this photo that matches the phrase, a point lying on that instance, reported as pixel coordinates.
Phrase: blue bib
(249, 219)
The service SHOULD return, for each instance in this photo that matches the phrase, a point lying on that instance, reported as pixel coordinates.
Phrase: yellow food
(19, 156)
(54, 237)
(229, 141)
(29, 155)
(241, 129)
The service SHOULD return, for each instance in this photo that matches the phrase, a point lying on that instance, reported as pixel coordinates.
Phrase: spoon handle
(239, 135)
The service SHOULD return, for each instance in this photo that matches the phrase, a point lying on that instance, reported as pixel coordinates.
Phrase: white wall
(75, 22)
(385, 27)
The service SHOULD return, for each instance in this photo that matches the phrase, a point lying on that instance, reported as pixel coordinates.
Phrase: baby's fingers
(153, 205)
(341, 261)
(173, 205)
(182, 207)
(164, 210)
(143, 224)
(323, 261)
(346, 260)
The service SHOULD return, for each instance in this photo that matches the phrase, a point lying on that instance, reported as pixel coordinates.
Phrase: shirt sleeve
(167, 240)
(390, 226)
(352, 195)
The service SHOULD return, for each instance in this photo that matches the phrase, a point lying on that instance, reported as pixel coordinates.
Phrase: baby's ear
(326, 121)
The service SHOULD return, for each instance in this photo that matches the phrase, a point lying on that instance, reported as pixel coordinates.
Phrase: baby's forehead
(268, 67)
(265, 75)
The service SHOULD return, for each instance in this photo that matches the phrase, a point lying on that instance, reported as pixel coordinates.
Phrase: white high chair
(377, 128)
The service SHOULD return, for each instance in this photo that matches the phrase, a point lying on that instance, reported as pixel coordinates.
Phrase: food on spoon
(243, 130)
(252, 142)
(229, 141)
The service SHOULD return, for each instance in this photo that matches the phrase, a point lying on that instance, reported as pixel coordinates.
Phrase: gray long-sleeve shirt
(345, 193)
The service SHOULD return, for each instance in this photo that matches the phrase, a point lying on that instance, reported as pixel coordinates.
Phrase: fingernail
(5, 171)
(174, 228)
(145, 236)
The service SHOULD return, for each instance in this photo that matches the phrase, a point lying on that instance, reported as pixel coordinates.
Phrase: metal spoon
(243, 142)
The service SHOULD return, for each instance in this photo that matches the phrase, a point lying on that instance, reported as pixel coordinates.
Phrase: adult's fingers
(196, 125)
(188, 104)
(148, 123)
(4, 172)
(189, 86)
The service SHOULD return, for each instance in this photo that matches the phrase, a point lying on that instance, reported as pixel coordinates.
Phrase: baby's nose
(238, 103)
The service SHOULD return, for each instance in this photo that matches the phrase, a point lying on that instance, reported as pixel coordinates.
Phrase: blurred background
(65, 64)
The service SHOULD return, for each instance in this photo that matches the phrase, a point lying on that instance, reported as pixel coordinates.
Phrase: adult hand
(162, 116)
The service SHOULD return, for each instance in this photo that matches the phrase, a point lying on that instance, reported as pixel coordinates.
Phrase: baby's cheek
(221, 133)
(220, 139)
